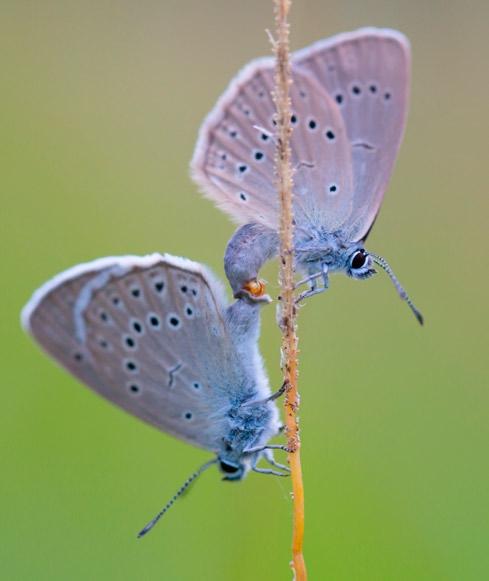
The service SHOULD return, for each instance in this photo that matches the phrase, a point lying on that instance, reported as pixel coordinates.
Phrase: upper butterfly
(349, 100)
(154, 335)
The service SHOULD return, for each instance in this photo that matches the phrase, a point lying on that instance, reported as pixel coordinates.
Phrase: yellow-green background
(100, 105)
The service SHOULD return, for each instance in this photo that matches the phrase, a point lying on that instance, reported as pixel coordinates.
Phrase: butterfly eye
(358, 259)
(228, 468)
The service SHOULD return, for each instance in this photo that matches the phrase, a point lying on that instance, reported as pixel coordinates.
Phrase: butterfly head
(359, 263)
(320, 250)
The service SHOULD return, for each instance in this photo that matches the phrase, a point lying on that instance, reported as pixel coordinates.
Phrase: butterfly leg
(310, 293)
(314, 289)
(249, 248)
(268, 455)
(269, 447)
(309, 279)
(268, 471)
(255, 468)
(275, 395)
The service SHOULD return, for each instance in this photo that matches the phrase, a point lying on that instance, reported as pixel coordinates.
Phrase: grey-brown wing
(147, 334)
(367, 73)
(233, 161)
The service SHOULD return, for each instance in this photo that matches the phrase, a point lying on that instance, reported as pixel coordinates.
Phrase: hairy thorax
(319, 249)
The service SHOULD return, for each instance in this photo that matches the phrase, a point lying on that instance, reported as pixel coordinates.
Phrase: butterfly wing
(147, 334)
(233, 158)
(367, 73)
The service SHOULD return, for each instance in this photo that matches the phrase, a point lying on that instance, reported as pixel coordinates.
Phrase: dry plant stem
(284, 175)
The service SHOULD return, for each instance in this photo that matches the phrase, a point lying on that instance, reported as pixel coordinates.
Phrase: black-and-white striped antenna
(402, 293)
(170, 503)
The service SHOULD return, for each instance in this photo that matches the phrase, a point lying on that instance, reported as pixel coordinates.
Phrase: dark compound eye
(359, 259)
(228, 468)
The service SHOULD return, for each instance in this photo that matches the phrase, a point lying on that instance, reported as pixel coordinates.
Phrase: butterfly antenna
(170, 503)
(402, 293)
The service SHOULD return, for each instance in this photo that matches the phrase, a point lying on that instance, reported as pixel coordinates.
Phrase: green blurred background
(101, 102)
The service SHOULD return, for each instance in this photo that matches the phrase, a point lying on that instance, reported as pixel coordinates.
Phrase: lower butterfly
(155, 336)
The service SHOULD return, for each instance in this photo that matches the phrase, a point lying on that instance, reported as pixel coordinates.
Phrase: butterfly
(155, 336)
(349, 100)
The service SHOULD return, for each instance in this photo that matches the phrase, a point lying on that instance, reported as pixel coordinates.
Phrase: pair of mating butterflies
(156, 336)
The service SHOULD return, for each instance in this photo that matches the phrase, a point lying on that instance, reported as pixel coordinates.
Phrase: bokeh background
(101, 102)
